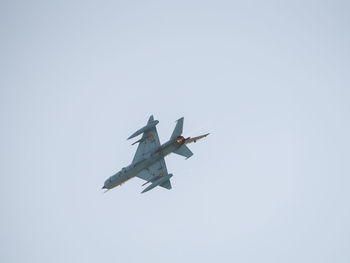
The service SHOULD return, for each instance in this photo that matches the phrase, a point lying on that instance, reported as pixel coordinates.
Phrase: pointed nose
(104, 187)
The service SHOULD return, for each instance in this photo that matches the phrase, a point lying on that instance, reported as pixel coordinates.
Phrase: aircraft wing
(155, 171)
(148, 142)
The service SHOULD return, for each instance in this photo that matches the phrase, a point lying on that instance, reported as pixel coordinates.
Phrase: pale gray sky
(268, 79)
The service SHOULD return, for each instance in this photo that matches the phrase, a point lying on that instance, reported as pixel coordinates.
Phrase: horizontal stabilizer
(184, 151)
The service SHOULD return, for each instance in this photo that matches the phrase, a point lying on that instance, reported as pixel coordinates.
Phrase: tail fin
(178, 128)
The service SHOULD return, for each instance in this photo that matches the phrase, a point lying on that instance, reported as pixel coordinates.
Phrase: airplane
(148, 163)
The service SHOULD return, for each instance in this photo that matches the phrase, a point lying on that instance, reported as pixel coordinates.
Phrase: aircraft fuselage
(133, 169)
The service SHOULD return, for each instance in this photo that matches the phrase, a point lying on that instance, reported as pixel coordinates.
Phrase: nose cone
(108, 183)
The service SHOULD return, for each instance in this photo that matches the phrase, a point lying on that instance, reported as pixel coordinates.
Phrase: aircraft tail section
(178, 128)
(184, 151)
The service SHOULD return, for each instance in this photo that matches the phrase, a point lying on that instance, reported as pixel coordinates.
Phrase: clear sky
(270, 80)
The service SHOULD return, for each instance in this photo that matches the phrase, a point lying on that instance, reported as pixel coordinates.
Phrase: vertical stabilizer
(178, 128)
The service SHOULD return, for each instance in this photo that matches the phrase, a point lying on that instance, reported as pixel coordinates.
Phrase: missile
(141, 140)
(157, 182)
(190, 140)
(149, 126)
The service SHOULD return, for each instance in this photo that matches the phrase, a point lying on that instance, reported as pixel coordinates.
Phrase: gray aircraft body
(148, 163)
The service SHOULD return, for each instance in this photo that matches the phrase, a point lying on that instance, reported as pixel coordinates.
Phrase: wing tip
(151, 118)
(180, 119)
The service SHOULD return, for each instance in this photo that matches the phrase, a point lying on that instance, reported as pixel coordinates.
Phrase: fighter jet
(148, 163)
